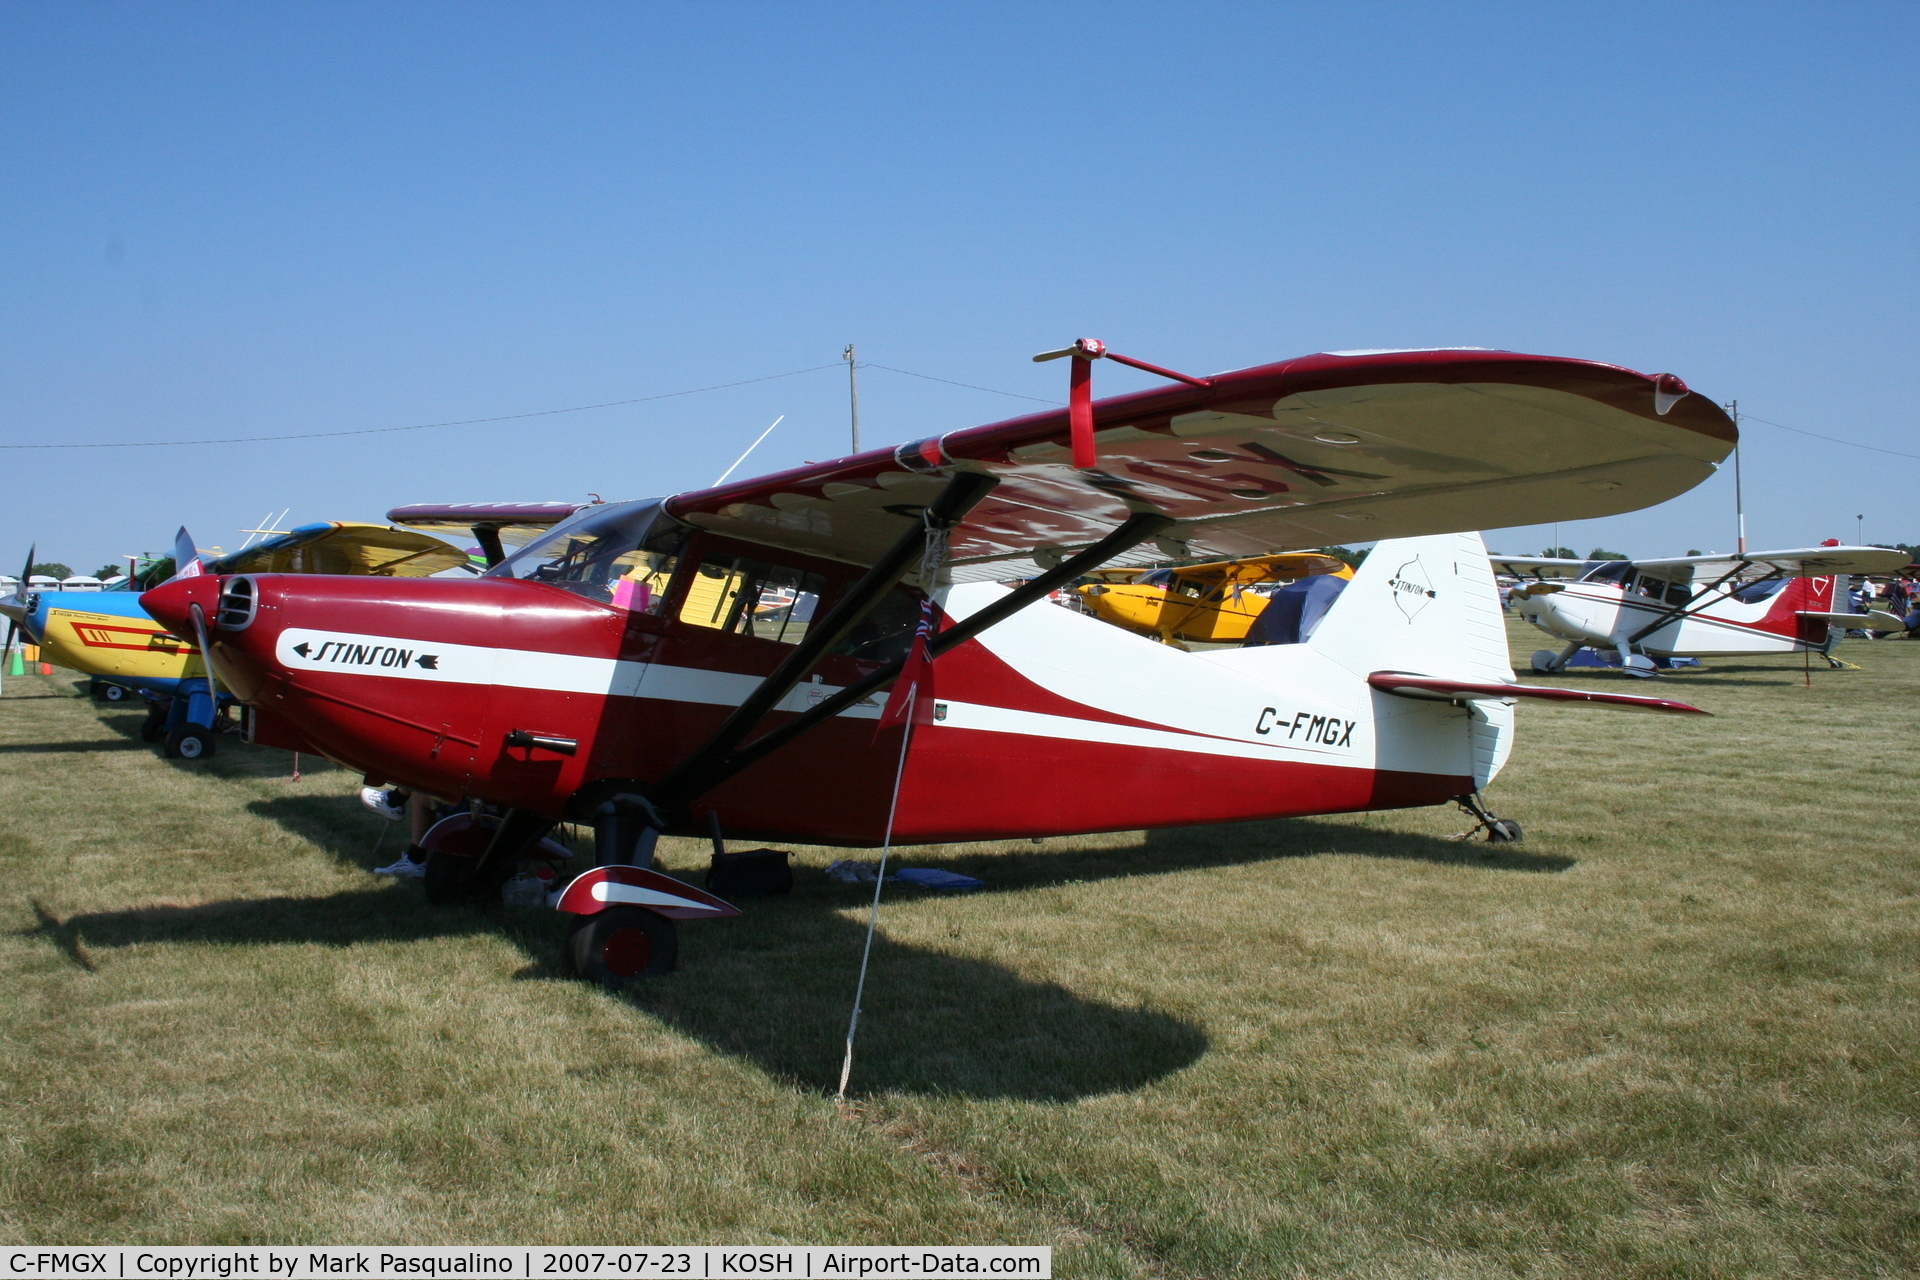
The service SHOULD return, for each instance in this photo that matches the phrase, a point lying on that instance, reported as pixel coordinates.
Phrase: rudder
(1428, 606)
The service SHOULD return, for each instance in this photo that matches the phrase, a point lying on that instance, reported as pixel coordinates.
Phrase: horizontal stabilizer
(1871, 620)
(1436, 690)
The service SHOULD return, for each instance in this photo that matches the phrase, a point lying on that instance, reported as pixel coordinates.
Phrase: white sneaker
(381, 802)
(405, 867)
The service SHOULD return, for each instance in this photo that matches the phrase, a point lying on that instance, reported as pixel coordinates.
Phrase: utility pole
(853, 391)
(1739, 500)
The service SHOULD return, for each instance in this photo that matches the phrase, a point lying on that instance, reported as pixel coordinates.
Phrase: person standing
(417, 809)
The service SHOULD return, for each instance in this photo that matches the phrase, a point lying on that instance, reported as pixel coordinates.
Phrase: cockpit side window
(887, 632)
(753, 598)
(1755, 592)
(623, 554)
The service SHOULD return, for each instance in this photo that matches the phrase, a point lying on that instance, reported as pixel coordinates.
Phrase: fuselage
(1048, 723)
(1729, 621)
(110, 635)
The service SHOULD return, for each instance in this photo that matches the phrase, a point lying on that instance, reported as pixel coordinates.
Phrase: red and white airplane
(653, 666)
(1697, 606)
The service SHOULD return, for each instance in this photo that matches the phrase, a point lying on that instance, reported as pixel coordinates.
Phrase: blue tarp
(1295, 610)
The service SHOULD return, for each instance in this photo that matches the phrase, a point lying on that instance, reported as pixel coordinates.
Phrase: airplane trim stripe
(562, 673)
(1656, 610)
(985, 718)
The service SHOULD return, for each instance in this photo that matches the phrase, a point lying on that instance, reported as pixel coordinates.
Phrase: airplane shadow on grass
(70, 748)
(771, 987)
(774, 986)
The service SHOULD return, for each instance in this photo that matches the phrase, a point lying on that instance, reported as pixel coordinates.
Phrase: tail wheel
(1504, 831)
(190, 742)
(621, 945)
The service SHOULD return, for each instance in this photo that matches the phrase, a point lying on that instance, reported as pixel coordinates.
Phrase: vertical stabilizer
(1429, 606)
(1424, 605)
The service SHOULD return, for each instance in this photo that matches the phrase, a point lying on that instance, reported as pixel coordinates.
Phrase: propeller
(186, 558)
(206, 655)
(14, 619)
(186, 564)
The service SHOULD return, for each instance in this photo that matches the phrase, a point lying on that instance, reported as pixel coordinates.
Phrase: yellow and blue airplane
(107, 635)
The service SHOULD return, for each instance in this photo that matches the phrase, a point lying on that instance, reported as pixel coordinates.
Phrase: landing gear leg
(1638, 665)
(190, 722)
(451, 878)
(1499, 830)
(623, 943)
(1546, 661)
(625, 829)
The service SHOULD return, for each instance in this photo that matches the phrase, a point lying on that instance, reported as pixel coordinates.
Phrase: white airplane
(1696, 606)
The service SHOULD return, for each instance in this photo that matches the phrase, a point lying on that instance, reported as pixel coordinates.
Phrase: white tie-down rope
(930, 561)
(873, 913)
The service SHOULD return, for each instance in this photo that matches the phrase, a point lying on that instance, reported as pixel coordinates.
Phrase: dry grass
(1673, 1035)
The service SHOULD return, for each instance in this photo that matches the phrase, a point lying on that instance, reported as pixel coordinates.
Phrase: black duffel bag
(754, 873)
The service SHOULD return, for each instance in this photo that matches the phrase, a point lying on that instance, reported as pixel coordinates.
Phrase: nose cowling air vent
(237, 603)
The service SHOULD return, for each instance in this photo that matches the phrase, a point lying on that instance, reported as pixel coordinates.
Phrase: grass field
(1673, 1034)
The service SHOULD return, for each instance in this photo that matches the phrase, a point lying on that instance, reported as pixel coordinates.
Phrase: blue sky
(231, 220)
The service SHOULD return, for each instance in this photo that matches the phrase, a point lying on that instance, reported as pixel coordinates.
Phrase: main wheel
(190, 742)
(622, 944)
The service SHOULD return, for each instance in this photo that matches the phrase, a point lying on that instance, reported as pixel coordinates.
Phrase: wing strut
(1136, 530)
(1689, 608)
(710, 763)
(488, 536)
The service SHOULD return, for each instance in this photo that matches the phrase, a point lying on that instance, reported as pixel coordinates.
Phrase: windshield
(620, 553)
(1608, 571)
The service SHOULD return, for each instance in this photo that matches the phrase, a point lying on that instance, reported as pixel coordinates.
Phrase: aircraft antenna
(270, 527)
(1739, 501)
(853, 391)
(750, 448)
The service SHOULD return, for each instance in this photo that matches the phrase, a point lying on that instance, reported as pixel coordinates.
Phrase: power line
(868, 364)
(423, 426)
(517, 417)
(1747, 417)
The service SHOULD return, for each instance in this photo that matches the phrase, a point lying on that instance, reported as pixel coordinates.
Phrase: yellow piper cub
(1211, 603)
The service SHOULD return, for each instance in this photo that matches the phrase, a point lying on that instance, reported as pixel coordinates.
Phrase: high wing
(1290, 564)
(345, 547)
(1538, 566)
(1801, 562)
(515, 523)
(1328, 448)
